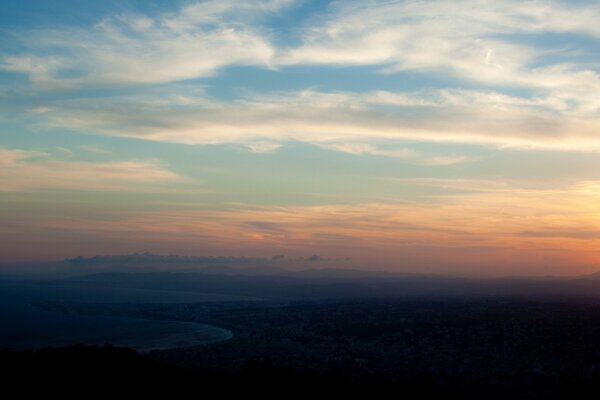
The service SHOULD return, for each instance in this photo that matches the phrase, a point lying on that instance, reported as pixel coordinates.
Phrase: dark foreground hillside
(85, 370)
(469, 349)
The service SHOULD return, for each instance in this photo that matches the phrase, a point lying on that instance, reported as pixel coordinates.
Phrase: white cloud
(126, 49)
(334, 118)
(467, 36)
(470, 39)
(473, 40)
(364, 148)
(404, 153)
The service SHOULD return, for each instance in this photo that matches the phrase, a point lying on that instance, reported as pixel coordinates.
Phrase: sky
(455, 137)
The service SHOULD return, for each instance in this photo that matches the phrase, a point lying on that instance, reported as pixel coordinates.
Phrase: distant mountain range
(148, 257)
(150, 262)
(280, 277)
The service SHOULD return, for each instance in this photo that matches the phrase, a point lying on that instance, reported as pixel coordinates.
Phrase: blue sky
(117, 115)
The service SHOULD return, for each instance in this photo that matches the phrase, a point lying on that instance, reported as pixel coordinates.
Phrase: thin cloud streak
(24, 171)
(326, 118)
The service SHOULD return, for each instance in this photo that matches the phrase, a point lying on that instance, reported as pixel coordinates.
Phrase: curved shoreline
(40, 329)
(187, 342)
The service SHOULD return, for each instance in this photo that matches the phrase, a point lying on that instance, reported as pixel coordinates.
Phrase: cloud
(477, 43)
(263, 147)
(24, 171)
(126, 49)
(344, 121)
(508, 92)
(404, 153)
(575, 233)
(470, 39)
(364, 148)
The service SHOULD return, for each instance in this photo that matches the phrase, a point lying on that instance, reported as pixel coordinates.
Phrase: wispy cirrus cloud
(470, 39)
(508, 90)
(126, 49)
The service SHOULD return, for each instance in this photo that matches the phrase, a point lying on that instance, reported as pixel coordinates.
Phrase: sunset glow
(436, 137)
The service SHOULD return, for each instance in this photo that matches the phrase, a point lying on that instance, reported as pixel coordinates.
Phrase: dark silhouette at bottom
(92, 370)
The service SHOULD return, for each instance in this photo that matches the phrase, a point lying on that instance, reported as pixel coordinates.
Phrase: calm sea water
(24, 326)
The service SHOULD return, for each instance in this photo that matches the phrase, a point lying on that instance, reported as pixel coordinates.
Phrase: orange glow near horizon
(515, 232)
